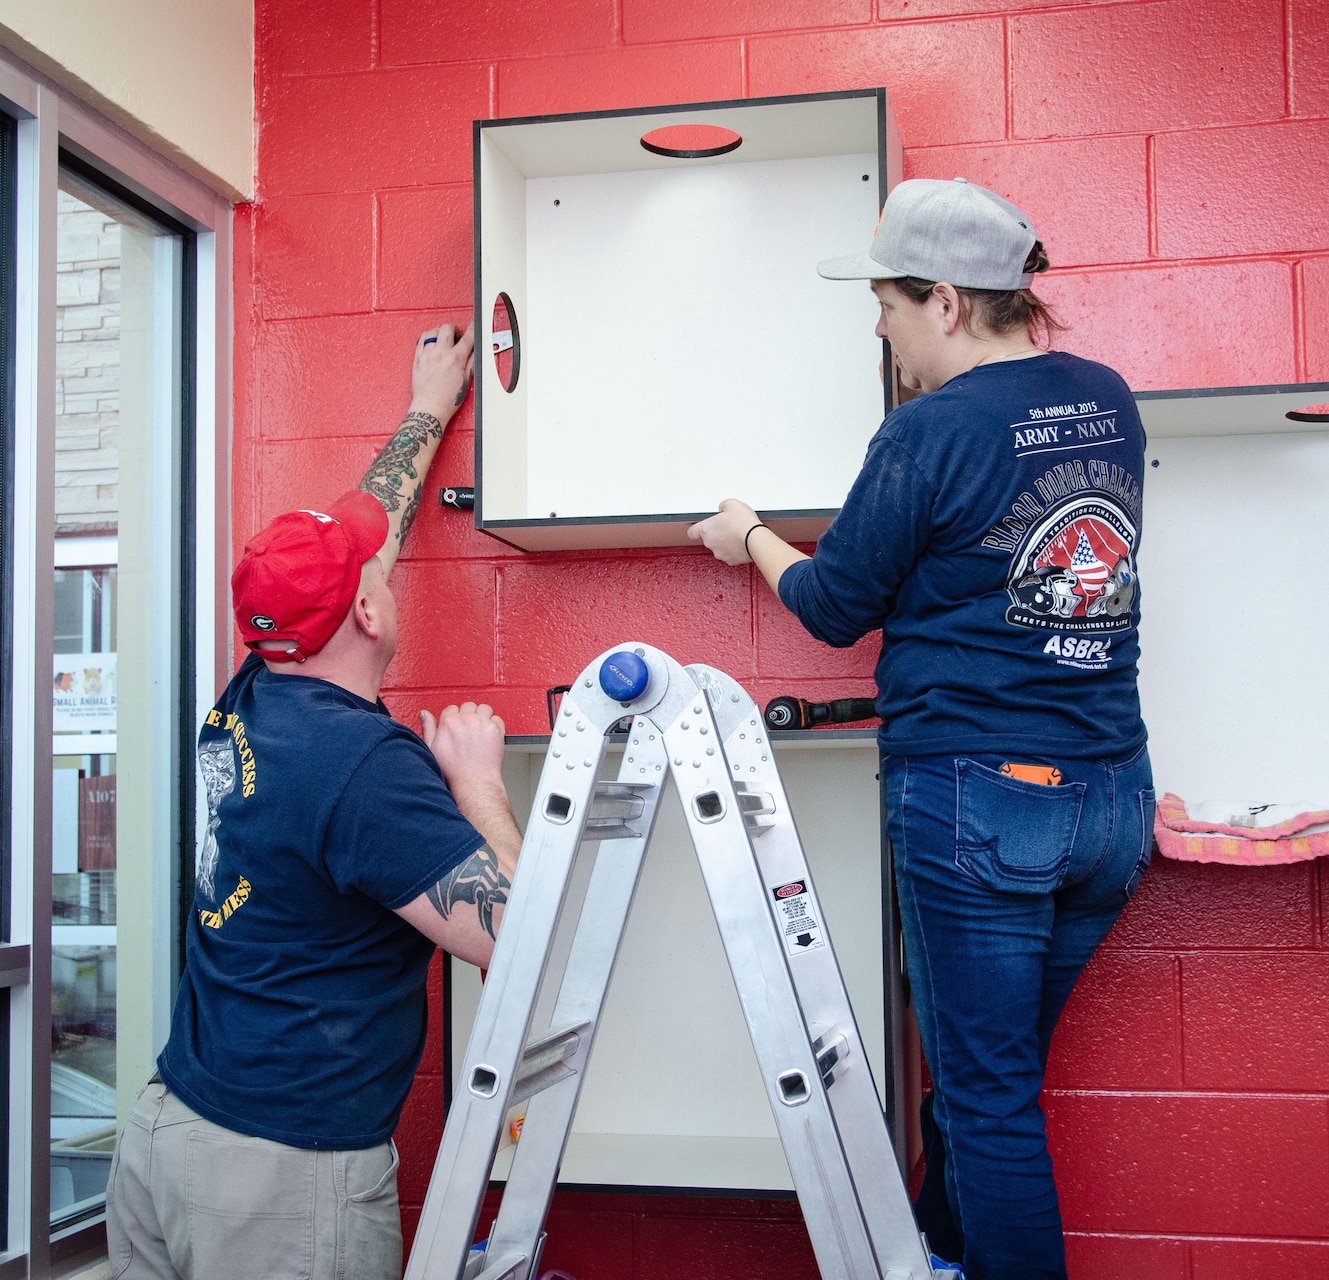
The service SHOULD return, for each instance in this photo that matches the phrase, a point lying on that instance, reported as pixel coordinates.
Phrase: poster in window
(84, 692)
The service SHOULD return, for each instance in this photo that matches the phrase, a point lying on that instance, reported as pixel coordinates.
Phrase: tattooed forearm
(396, 460)
(477, 881)
(408, 516)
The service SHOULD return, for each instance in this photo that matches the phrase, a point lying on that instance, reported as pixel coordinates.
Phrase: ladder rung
(504, 1269)
(831, 1048)
(545, 1061)
(751, 801)
(610, 790)
(757, 808)
(613, 806)
(610, 830)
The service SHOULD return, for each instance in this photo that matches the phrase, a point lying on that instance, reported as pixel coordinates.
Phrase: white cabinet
(673, 1096)
(1234, 665)
(654, 334)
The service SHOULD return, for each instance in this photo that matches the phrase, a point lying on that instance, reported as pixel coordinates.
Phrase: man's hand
(467, 742)
(462, 911)
(444, 366)
(440, 377)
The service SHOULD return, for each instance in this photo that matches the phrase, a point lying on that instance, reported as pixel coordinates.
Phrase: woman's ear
(947, 301)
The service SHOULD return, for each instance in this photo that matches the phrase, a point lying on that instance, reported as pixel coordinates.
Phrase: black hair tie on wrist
(750, 532)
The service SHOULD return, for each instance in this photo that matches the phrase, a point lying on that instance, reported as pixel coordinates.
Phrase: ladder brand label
(794, 914)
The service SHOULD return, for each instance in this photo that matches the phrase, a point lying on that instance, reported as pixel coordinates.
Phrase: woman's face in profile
(903, 323)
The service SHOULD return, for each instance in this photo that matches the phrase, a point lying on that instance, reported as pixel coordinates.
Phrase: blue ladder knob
(624, 676)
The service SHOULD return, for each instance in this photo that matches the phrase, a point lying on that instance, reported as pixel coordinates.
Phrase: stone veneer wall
(87, 363)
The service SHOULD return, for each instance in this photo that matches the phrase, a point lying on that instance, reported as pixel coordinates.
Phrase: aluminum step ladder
(699, 726)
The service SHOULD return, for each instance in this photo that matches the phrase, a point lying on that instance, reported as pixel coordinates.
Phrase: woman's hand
(723, 534)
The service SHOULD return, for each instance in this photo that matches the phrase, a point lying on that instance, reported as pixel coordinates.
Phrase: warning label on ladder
(794, 913)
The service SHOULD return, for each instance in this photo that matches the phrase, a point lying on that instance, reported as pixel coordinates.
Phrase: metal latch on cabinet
(502, 340)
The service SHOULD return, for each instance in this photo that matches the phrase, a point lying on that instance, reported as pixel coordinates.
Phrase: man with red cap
(340, 848)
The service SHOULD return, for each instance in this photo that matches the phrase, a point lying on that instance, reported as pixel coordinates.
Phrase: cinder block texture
(302, 38)
(399, 128)
(946, 80)
(1256, 1017)
(424, 36)
(1315, 284)
(622, 77)
(1197, 906)
(646, 21)
(1216, 189)
(554, 618)
(1210, 324)
(1310, 58)
(1121, 1028)
(425, 250)
(1182, 1164)
(1137, 68)
(1104, 1256)
(1101, 217)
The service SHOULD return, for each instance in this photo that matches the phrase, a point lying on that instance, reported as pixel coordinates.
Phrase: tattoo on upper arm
(396, 460)
(477, 881)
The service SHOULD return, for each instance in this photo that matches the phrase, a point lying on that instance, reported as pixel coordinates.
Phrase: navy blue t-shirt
(992, 536)
(301, 1014)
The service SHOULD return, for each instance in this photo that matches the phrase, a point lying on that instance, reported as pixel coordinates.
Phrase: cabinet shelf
(1229, 411)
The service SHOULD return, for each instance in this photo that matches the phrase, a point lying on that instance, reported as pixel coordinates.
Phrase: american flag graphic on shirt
(1090, 550)
(1076, 569)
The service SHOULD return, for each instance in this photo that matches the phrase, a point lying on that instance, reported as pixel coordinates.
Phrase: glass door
(116, 670)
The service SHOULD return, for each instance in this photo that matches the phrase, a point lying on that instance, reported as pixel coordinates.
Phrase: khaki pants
(189, 1200)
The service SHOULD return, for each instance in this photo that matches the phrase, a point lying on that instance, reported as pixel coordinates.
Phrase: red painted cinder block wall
(1175, 154)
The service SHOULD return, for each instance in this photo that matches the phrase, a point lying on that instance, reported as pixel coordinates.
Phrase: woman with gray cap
(991, 537)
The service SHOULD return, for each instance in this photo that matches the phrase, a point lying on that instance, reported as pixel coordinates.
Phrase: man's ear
(366, 618)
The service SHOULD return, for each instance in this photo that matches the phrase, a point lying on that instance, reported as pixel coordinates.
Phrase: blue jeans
(1005, 888)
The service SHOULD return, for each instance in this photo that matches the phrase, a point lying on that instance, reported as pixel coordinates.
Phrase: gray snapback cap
(954, 231)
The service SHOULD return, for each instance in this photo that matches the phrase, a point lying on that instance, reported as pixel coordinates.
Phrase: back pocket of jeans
(1014, 836)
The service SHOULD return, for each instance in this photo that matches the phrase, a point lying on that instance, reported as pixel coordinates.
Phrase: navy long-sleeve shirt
(991, 535)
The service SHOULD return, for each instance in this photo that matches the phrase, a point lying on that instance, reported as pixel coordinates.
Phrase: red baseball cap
(298, 577)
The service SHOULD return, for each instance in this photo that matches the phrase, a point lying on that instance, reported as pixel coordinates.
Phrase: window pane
(116, 515)
(8, 289)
